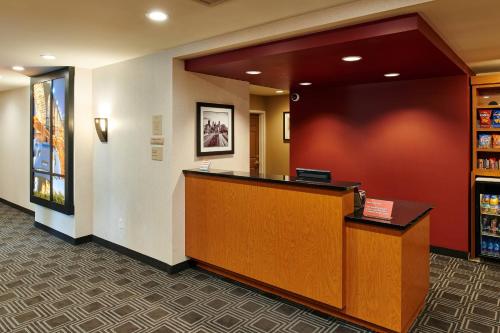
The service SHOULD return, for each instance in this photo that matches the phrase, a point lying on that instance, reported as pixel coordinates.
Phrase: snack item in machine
(484, 141)
(485, 118)
(496, 140)
(495, 119)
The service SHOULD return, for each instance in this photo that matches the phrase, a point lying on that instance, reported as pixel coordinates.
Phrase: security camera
(295, 97)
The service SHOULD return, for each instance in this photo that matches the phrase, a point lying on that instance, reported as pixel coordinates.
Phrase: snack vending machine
(488, 218)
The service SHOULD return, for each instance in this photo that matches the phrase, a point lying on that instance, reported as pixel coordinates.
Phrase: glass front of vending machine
(488, 218)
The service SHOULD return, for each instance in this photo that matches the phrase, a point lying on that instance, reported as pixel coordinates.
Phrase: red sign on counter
(380, 209)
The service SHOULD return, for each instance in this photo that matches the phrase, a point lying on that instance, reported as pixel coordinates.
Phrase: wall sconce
(101, 127)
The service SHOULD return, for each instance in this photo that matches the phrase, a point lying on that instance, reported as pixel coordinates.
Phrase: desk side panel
(373, 275)
(416, 243)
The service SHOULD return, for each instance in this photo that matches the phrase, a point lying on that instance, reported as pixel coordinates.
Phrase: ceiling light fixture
(18, 68)
(305, 83)
(486, 96)
(280, 91)
(352, 58)
(391, 74)
(157, 16)
(253, 72)
(48, 56)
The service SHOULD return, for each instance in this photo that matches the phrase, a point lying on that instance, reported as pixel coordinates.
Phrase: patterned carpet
(47, 285)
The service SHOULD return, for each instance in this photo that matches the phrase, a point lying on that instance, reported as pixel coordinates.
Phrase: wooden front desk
(291, 239)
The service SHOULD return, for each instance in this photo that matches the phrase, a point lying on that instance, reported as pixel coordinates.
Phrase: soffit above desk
(404, 44)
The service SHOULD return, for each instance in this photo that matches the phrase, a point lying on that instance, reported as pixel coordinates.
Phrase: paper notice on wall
(157, 153)
(157, 125)
(159, 141)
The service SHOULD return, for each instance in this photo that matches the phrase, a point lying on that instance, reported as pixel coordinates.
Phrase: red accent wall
(403, 140)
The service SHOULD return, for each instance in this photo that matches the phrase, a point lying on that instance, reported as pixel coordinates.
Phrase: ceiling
(94, 33)
(404, 44)
(470, 27)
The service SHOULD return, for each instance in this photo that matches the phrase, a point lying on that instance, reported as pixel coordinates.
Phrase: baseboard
(16, 206)
(118, 248)
(142, 257)
(449, 252)
(64, 237)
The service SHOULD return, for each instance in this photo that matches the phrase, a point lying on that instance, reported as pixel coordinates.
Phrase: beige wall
(257, 103)
(277, 151)
(15, 146)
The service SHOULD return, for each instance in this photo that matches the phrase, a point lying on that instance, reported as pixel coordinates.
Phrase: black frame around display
(68, 74)
(199, 152)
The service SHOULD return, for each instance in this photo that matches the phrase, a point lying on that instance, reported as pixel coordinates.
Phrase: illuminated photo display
(52, 140)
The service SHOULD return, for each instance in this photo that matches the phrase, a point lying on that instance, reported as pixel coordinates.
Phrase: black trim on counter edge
(449, 252)
(16, 206)
(320, 185)
(144, 258)
(385, 223)
(62, 236)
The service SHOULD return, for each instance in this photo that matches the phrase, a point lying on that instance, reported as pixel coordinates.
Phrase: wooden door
(254, 142)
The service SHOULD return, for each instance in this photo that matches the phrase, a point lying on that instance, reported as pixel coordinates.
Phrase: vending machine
(488, 218)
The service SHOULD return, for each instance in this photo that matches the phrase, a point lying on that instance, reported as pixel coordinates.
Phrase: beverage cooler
(488, 218)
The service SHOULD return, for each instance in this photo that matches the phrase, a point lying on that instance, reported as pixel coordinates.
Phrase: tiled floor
(47, 285)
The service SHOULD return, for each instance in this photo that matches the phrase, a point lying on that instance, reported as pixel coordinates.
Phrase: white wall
(83, 166)
(79, 224)
(131, 203)
(15, 146)
(138, 202)
(189, 88)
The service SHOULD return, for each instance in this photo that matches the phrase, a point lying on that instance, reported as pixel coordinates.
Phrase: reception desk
(304, 241)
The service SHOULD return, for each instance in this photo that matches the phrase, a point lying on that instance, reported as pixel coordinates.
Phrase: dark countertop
(279, 179)
(404, 215)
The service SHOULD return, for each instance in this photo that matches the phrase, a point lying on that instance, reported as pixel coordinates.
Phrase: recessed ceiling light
(280, 91)
(305, 83)
(352, 58)
(391, 74)
(48, 56)
(18, 68)
(486, 96)
(157, 16)
(253, 72)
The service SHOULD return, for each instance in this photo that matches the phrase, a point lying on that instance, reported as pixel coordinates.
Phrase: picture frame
(286, 126)
(51, 140)
(214, 129)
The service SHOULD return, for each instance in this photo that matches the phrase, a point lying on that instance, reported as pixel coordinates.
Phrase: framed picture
(286, 126)
(215, 129)
(51, 166)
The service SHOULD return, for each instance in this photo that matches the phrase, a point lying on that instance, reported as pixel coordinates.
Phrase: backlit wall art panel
(52, 140)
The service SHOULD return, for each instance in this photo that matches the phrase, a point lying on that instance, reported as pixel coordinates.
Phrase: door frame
(262, 139)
